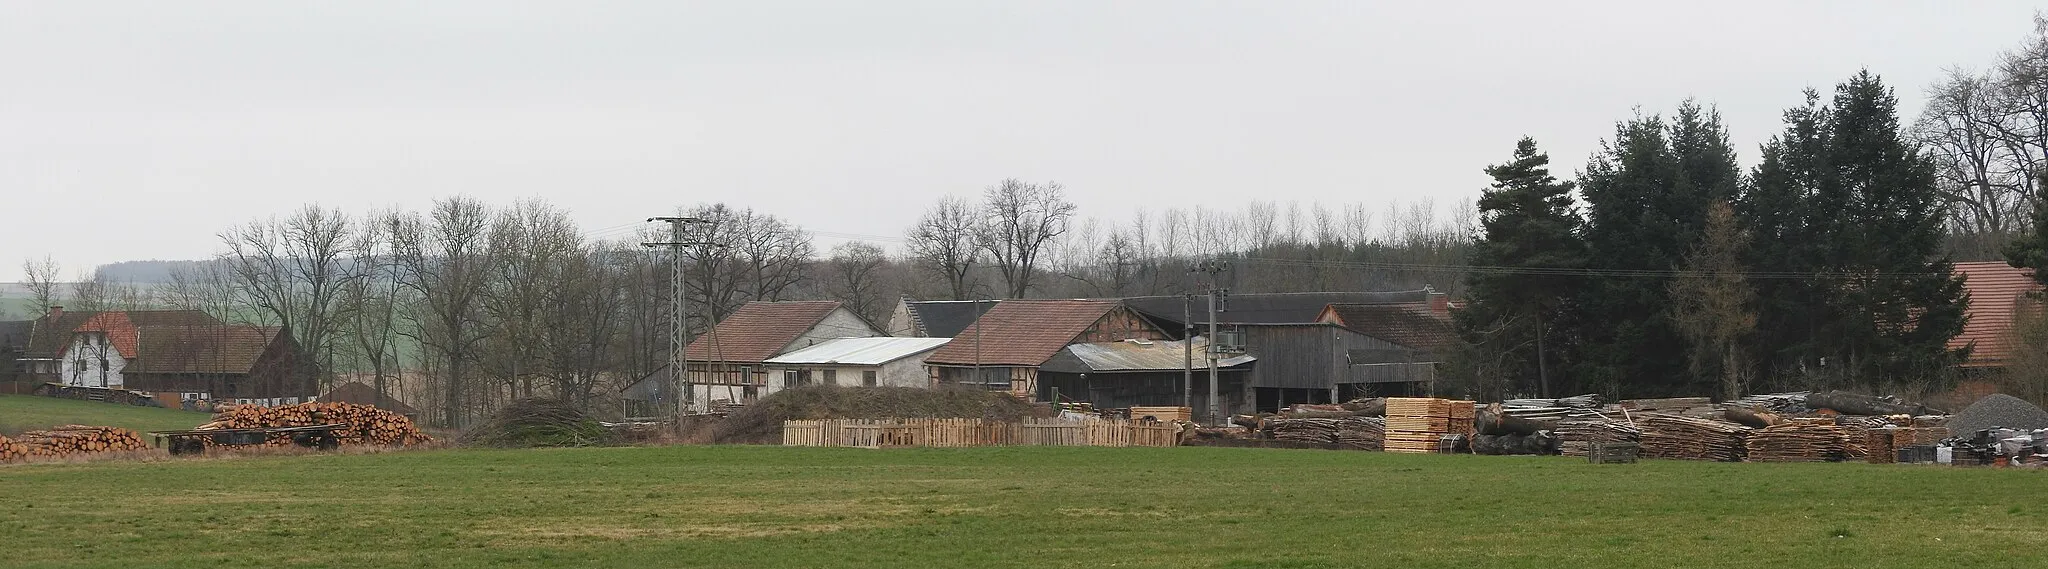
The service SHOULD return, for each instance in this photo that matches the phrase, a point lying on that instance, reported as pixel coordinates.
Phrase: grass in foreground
(25, 412)
(1009, 507)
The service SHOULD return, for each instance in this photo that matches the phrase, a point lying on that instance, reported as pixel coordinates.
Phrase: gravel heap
(1998, 410)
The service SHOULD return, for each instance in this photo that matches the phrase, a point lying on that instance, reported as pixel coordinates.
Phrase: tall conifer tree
(1532, 253)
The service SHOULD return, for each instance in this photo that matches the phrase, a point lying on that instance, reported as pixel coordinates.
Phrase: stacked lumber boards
(1577, 435)
(1667, 435)
(1418, 425)
(1801, 440)
(367, 424)
(1166, 414)
(68, 440)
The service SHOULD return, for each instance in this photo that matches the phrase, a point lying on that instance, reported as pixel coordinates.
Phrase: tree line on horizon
(1663, 267)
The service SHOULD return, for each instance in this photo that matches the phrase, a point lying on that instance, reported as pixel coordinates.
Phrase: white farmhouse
(870, 362)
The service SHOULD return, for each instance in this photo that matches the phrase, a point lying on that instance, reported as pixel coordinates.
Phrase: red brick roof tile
(758, 331)
(1022, 332)
(1413, 325)
(1996, 290)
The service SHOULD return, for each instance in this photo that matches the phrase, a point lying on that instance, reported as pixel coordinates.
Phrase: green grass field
(23, 412)
(1009, 507)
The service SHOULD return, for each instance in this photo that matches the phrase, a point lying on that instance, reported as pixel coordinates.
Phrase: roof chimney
(56, 312)
(1440, 305)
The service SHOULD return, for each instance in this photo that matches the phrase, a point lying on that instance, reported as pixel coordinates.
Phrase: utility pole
(678, 326)
(1187, 351)
(1212, 267)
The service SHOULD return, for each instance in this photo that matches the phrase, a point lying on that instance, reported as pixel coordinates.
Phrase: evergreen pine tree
(1531, 253)
(1647, 196)
(1841, 196)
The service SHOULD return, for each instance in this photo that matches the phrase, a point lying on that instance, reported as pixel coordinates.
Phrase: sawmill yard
(761, 506)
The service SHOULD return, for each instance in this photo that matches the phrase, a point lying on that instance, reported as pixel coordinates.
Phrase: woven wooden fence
(893, 433)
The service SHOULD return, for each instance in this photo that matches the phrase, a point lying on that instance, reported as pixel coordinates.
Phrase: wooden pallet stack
(367, 424)
(1418, 425)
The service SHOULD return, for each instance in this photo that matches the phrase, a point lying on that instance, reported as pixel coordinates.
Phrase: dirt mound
(538, 423)
(1998, 410)
(761, 422)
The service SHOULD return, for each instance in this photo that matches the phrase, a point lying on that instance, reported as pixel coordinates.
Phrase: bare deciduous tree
(41, 277)
(444, 261)
(942, 243)
(294, 270)
(1019, 221)
(857, 279)
(1713, 305)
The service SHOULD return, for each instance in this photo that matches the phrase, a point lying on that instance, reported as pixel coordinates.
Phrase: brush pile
(367, 424)
(1691, 438)
(70, 440)
(1802, 440)
(538, 423)
(1577, 435)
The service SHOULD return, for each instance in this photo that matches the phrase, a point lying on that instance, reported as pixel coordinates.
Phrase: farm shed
(729, 362)
(935, 318)
(1312, 363)
(1003, 349)
(1260, 308)
(1115, 375)
(870, 362)
(1998, 295)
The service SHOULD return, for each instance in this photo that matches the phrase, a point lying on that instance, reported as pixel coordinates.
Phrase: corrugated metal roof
(1268, 307)
(1145, 355)
(1996, 290)
(859, 351)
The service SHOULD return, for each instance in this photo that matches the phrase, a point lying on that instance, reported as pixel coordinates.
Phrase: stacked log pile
(1775, 403)
(367, 424)
(1698, 407)
(70, 440)
(1690, 438)
(1800, 441)
(1363, 433)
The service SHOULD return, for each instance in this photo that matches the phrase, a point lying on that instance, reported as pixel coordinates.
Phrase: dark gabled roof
(1266, 308)
(232, 349)
(363, 394)
(1409, 324)
(758, 331)
(945, 318)
(51, 336)
(1021, 332)
(14, 334)
(1138, 356)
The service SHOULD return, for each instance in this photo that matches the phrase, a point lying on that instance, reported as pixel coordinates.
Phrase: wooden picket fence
(893, 433)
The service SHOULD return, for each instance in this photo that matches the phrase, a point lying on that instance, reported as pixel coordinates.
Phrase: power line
(1583, 272)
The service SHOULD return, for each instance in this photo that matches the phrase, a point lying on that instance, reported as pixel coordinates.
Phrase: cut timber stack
(1164, 414)
(70, 440)
(1689, 406)
(1578, 435)
(367, 424)
(1363, 433)
(1802, 440)
(1417, 425)
(10, 450)
(1877, 446)
(1690, 438)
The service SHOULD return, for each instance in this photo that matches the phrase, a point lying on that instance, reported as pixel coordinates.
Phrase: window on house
(789, 378)
(831, 377)
(867, 378)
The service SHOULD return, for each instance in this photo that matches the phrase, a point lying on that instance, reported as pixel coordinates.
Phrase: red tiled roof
(52, 336)
(758, 331)
(1413, 325)
(201, 349)
(1996, 290)
(1022, 332)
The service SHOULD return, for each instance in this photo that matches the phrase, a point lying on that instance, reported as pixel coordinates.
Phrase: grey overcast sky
(133, 130)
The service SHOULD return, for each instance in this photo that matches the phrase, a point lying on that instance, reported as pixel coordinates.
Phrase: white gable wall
(81, 363)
